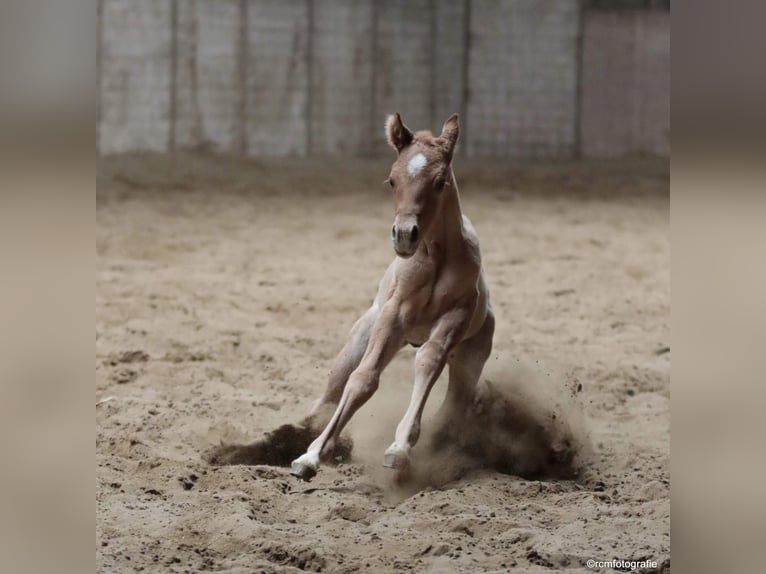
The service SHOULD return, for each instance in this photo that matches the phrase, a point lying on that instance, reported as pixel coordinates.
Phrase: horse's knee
(429, 355)
(362, 385)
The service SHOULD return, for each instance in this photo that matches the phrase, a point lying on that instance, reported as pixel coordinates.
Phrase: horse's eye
(390, 181)
(439, 184)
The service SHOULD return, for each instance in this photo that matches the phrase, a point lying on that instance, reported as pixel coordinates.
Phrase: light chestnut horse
(432, 296)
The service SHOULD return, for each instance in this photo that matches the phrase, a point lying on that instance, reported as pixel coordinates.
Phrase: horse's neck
(449, 229)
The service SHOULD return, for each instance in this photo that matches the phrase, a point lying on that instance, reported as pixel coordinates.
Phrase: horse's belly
(418, 335)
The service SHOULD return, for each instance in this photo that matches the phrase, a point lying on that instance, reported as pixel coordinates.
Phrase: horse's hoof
(303, 471)
(396, 461)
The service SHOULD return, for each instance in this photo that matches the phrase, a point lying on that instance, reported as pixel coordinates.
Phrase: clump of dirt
(279, 447)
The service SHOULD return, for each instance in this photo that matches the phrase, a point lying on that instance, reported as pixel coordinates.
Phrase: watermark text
(625, 565)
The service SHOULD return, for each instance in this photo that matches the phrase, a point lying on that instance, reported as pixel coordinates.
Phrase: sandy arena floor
(224, 290)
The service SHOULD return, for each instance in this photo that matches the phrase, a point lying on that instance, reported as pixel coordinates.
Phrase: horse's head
(419, 177)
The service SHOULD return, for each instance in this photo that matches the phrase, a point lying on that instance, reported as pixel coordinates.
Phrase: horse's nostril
(414, 233)
(393, 232)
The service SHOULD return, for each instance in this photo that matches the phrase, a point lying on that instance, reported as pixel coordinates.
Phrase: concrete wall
(341, 88)
(450, 80)
(207, 75)
(626, 83)
(523, 78)
(313, 77)
(277, 77)
(135, 78)
(404, 54)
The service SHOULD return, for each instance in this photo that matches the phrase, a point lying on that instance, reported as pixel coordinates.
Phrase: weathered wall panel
(523, 78)
(208, 75)
(277, 77)
(449, 72)
(313, 77)
(625, 104)
(135, 76)
(188, 122)
(341, 78)
(404, 64)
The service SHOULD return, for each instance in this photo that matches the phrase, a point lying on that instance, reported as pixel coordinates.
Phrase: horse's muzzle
(405, 238)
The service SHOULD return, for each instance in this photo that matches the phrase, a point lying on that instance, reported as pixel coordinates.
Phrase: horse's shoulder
(471, 240)
(386, 285)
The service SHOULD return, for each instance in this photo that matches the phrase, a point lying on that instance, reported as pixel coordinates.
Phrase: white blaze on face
(416, 163)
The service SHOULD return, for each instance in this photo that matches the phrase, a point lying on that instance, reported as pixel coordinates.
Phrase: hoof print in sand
(302, 558)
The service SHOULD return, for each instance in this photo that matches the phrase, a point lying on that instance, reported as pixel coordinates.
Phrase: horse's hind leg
(430, 359)
(345, 363)
(465, 366)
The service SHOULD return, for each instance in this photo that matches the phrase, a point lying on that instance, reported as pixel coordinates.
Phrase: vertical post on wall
(581, 5)
(242, 65)
(99, 48)
(310, 74)
(373, 110)
(173, 74)
(432, 120)
(466, 94)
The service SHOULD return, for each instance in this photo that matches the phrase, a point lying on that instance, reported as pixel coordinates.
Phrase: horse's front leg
(429, 364)
(385, 340)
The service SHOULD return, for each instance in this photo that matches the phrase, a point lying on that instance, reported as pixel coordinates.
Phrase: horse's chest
(430, 302)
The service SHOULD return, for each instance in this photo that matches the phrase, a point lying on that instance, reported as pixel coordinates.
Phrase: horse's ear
(398, 135)
(449, 135)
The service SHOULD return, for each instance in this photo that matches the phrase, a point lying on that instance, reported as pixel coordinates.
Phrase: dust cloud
(525, 420)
